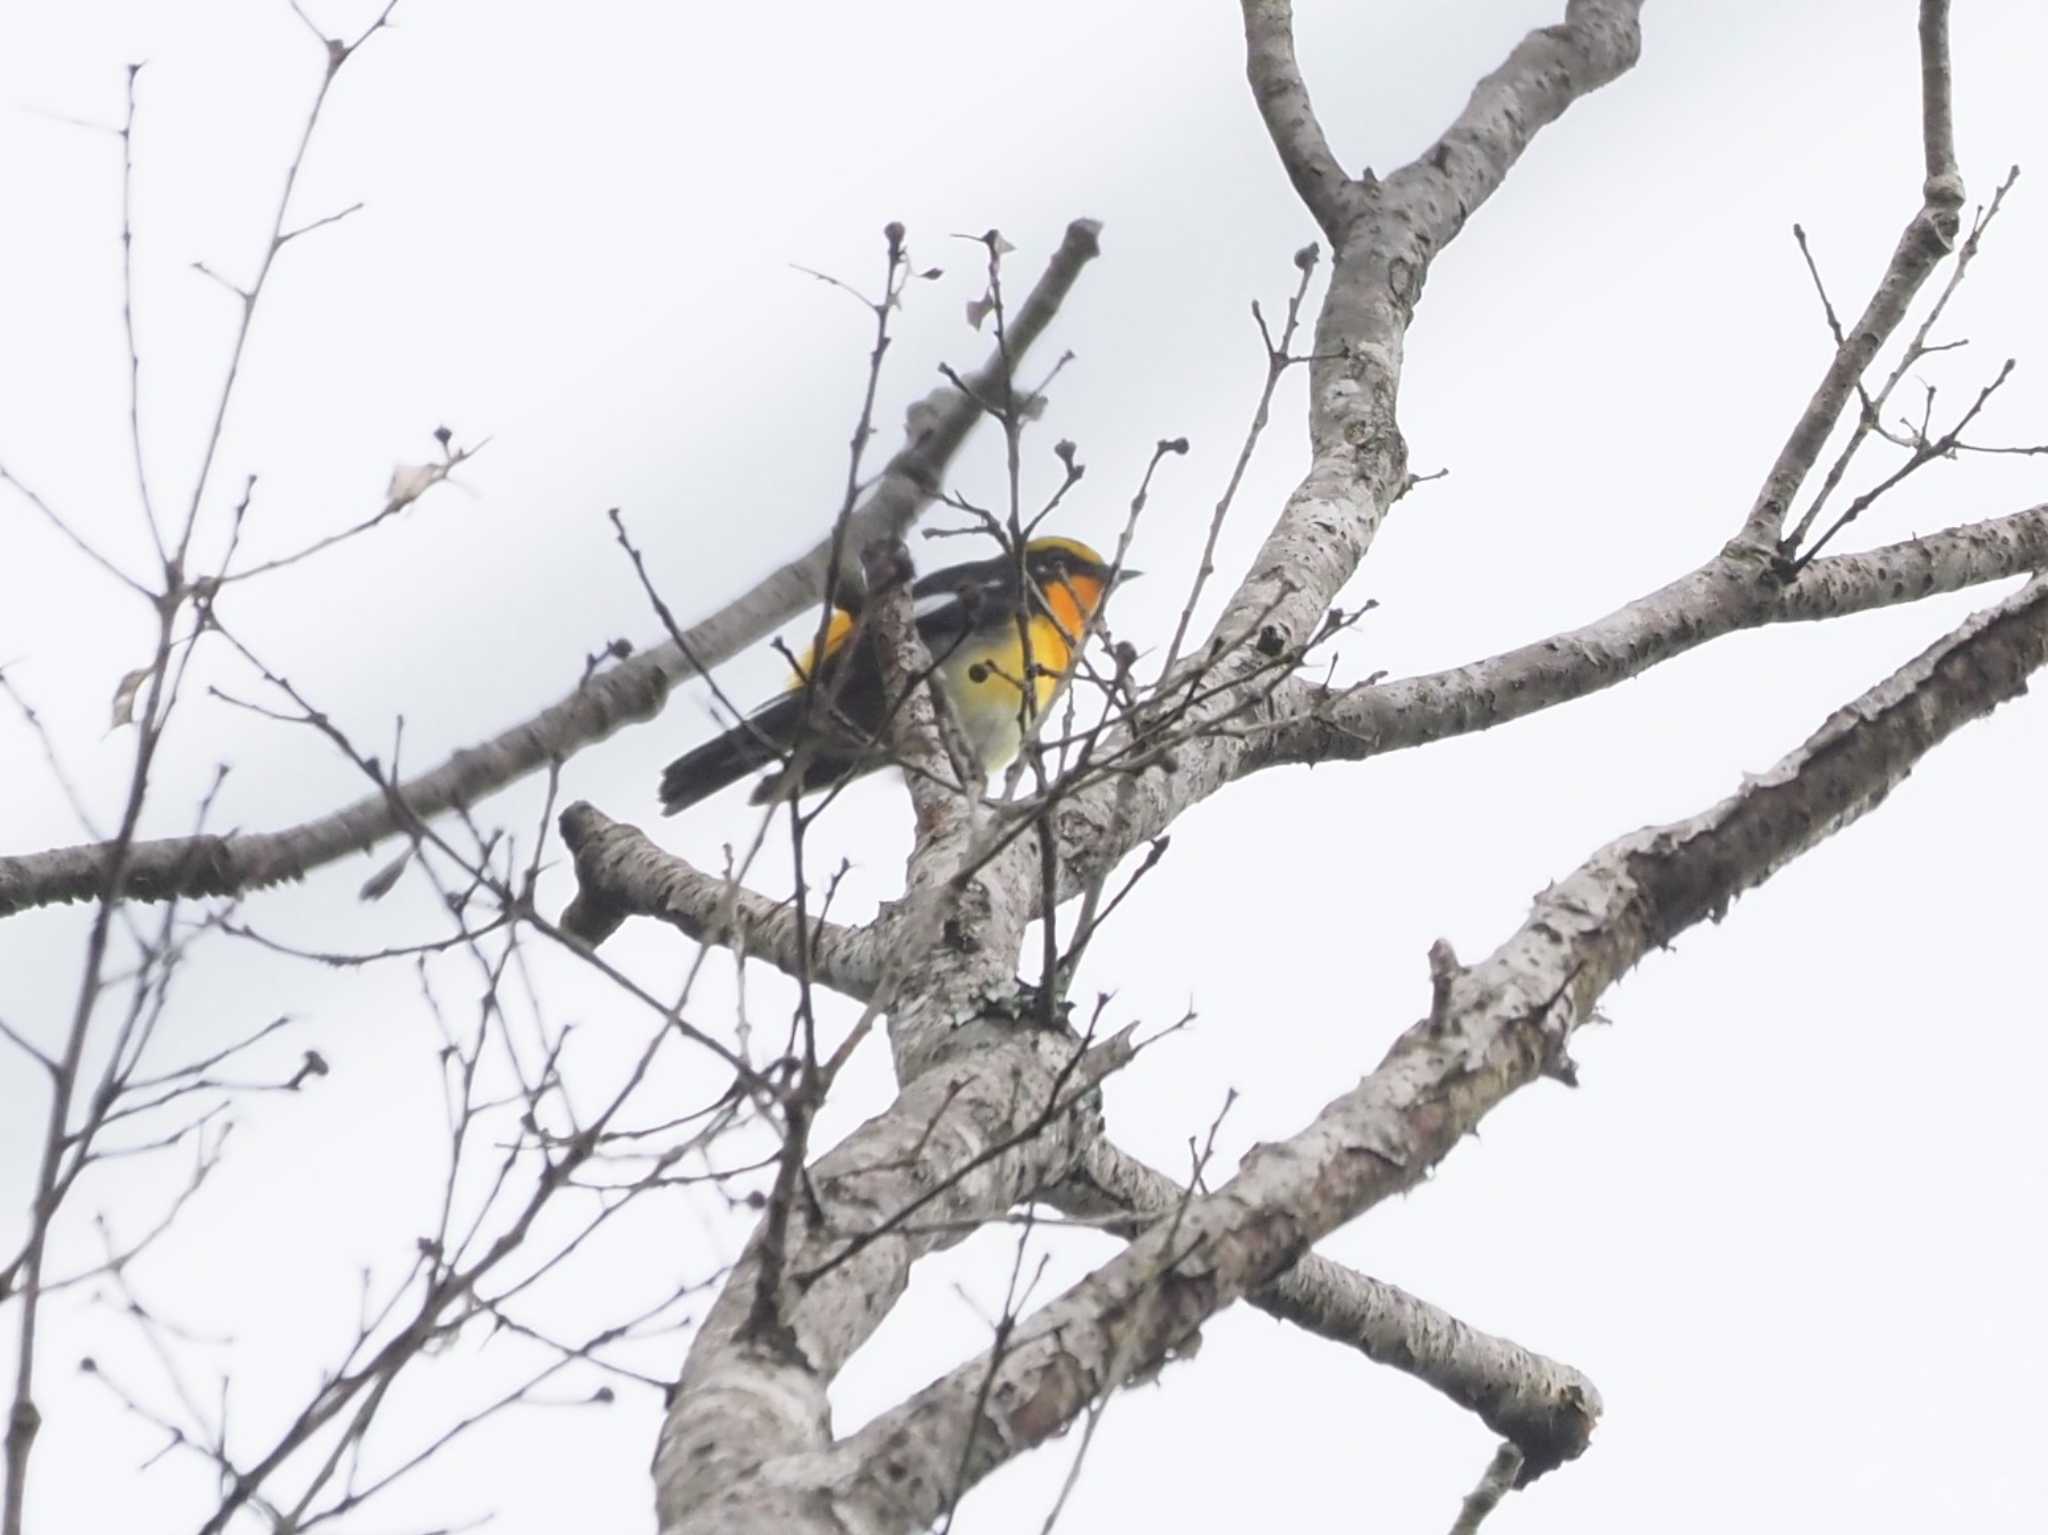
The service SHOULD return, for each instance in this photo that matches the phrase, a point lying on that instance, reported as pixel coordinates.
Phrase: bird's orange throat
(1072, 601)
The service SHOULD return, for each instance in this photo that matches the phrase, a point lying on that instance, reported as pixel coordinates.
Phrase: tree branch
(949, 1146)
(1317, 724)
(1929, 235)
(1330, 195)
(1937, 107)
(1506, 1022)
(1503, 1473)
(620, 874)
(1545, 1408)
(1359, 466)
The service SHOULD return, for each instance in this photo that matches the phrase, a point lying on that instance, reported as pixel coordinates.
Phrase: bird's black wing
(756, 742)
(850, 716)
(951, 604)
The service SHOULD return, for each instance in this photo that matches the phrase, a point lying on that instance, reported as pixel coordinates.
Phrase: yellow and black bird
(968, 617)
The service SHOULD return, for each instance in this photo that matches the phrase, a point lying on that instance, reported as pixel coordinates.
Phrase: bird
(967, 615)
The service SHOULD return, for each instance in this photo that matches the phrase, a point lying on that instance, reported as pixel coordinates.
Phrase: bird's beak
(1127, 575)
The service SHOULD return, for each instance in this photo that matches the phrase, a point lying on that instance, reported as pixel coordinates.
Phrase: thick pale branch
(1314, 724)
(1952, 560)
(1330, 196)
(952, 1148)
(628, 693)
(1499, 1026)
(1545, 73)
(620, 874)
(1360, 462)
(1937, 105)
(1547, 1409)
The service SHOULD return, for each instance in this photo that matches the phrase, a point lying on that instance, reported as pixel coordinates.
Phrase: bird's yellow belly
(989, 702)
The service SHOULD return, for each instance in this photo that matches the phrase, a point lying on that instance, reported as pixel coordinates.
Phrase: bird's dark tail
(726, 758)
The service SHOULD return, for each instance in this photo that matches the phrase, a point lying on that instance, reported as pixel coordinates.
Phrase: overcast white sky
(1790, 1223)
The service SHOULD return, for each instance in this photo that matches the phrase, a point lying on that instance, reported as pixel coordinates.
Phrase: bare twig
(1496, 1483)
(1279, 359)
(1923, 455)
(408, 484)
(338, 54)
(1870, 419)
(78, 542)
(1928, 237)
(156, 532)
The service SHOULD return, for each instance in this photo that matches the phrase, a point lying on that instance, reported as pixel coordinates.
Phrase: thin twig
(1497, 1482)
